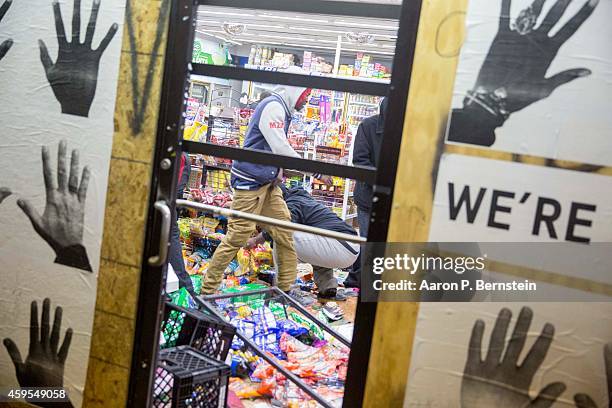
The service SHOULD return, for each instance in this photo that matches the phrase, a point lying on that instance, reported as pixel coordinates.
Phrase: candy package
(182, 298)
(243, 389)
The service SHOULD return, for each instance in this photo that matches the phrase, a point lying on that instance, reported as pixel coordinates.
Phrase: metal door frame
(169, 146)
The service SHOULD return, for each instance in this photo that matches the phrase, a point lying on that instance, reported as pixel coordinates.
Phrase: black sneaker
(332, 294)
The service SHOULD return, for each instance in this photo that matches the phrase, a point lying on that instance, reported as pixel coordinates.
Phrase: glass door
(350, 56)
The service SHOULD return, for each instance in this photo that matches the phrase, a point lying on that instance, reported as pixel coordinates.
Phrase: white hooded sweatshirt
(272, 119)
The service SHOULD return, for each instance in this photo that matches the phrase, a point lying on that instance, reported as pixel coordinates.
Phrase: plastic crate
(187, 378)
(190, 327)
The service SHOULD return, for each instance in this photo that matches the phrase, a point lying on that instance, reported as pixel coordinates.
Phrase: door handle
(164, 234)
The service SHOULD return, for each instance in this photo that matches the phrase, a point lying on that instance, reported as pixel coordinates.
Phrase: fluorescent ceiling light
(277, 37)
(218, 37)
(321, 30)
(352, 24)
(258, 42)
(208, 21)
(329, 41)
(264, 42)
(225, 13)
(265, 26)
(310, 20)
(318, 30)
(246, 24)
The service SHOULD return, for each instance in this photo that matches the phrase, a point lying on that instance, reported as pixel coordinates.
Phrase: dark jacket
(258, 174)
(366, 152)
(308, 211)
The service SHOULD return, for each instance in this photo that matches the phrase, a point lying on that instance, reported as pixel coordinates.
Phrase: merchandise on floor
(300, 345)
(218, 112)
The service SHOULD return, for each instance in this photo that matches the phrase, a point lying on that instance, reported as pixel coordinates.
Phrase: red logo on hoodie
(277, 124)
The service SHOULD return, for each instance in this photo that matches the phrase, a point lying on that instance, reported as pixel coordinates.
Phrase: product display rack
(346, 104)
(343, 108)
(208, 303)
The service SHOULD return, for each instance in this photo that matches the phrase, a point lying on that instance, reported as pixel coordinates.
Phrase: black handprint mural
(74, 75)
(61, 224)
(499, 380)
(6, 44)
(585, 401)
(4, 192)
(513, 75)
(44, 365)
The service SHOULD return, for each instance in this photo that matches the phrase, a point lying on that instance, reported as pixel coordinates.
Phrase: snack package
(210, 224)
(243, 389)
(244, 260)
(182, 298)
(315, 330)
(245, 288)
(278, 310)
(196, 281)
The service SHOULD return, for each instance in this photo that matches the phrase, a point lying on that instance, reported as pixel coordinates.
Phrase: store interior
(305, 333)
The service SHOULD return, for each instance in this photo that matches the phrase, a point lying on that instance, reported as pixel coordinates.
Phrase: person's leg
(363, 219)
(275, 207)
(175, 256)
(354, 278)
(324, 251)
(325, 280)
(238, 232)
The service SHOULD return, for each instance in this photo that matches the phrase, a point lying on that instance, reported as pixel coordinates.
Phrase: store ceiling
(314, 32)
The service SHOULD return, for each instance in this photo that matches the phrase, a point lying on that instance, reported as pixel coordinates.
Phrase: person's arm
(272, 126)
(257, 239)
(362, 152)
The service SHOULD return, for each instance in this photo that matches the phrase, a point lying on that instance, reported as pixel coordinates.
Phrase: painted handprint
(4, 193)
(499, 380)
(584, 400)
(44, 365)
(6, 44)
(514, 73)
(61, 224)
(74, 75)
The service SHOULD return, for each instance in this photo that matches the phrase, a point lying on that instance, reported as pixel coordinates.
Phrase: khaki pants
(267, 201)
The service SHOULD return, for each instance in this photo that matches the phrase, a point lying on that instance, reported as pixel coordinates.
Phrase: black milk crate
(186, 378)
(191, 327)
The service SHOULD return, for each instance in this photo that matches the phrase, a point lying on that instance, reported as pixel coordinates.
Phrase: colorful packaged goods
(299, 345)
